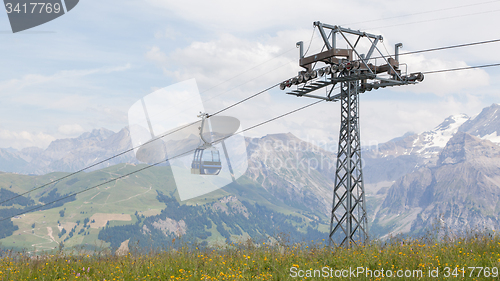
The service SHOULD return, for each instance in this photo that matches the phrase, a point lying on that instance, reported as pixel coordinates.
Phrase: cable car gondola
(206, 158)
(206, 161)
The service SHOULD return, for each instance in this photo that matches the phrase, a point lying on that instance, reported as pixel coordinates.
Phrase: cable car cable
(95, 164)
(436, 19)
(451, 47)
(445, 48)
(152, 165)
(126, 151)
(461, 68)
(243, 100)
(420, 13)
(95, 186)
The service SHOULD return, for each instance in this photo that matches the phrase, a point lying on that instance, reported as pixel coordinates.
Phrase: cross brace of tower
(355, 72)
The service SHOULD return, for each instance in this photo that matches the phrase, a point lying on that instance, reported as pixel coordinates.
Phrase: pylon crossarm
(389, 64)
(359, 56)
(342, 66)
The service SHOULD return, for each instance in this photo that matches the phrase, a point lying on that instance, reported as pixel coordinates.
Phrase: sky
(84, 70)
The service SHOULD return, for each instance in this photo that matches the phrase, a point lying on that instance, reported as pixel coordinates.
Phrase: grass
(250, 261)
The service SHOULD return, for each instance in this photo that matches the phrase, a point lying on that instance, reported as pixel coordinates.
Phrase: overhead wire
(375, 20)
(95, 164)
(95, 186)
(461, 68)
(444, 48)
(425, 12)
(451, 47)
(437, 19)
(261, 92)
(310, 41)
(129, 150)
(171, 158)
(237, 86)
(244, 100)
(157, 163)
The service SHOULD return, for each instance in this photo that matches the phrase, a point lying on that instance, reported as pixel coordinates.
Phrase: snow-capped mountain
(486, 125)
(426, 144)
(451, 171)
(403, 155)
(462, 191)
(431, 142)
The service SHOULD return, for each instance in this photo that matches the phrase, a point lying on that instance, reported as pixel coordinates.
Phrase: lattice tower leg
(349, 223)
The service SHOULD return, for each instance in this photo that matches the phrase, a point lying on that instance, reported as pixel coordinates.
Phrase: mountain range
(447, 176)
(71, 154)
(450, 174)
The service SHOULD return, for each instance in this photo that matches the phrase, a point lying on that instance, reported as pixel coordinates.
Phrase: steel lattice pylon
(357, 71)
(349, 223)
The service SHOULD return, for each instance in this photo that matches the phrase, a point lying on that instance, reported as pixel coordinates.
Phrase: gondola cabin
(206, 161)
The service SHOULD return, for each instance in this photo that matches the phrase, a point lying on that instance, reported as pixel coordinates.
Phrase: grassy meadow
(476, 257)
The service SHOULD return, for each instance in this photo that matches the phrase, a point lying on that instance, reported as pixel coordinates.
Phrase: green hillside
(142, 208)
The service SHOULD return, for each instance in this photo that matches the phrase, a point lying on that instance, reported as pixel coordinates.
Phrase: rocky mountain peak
(462, 188)
(450, 123)
(293, 170)
(97, 134)
(442, 133)
(283, 137)
(426, 145)
(465, 147)
(485, 125)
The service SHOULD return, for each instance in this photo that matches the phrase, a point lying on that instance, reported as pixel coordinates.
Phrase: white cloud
(229, 68)
(169, 33)
(60, 78)
(422, 23)
(233, 15)
(22, 139)
(157, 56)
(221, 59)
(387, 119)
(71, 129)
(445, 82)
